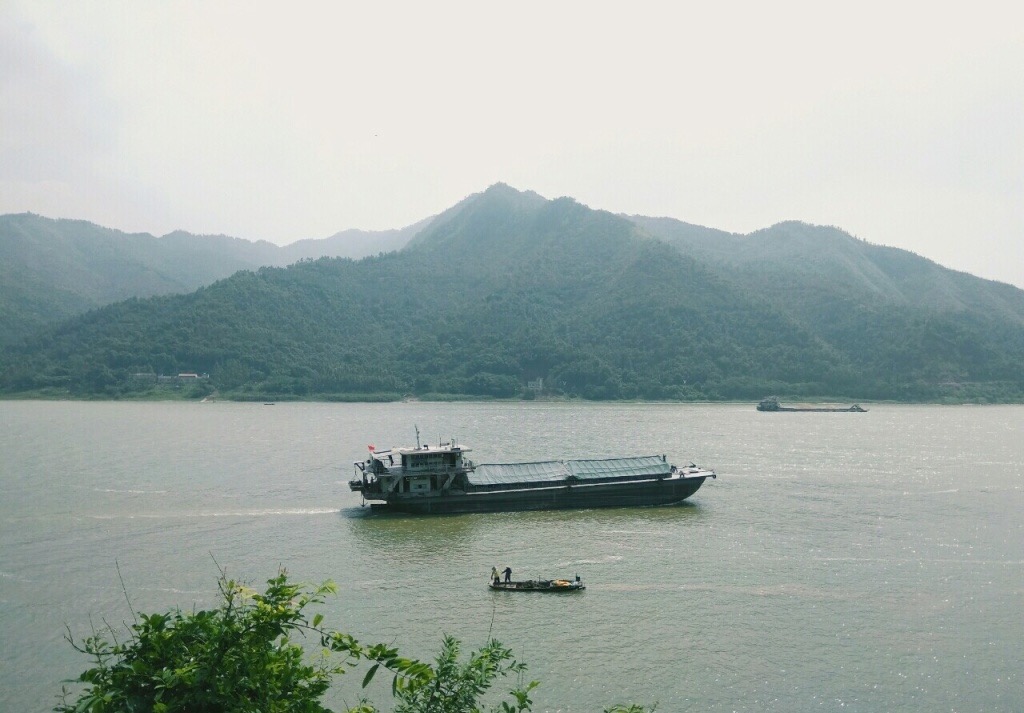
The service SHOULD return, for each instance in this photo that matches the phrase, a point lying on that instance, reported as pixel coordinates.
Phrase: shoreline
(262, 399)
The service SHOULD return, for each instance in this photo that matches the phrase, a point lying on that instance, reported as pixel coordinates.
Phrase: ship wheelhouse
(423, 470)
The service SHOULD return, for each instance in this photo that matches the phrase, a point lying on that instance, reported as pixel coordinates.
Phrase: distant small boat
(538, 585)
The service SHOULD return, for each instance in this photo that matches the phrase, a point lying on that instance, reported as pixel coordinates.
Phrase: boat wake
(129, 492)
(261, 512)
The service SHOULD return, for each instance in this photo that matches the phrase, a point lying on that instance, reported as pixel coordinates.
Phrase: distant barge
(772, 404)
(441, 480)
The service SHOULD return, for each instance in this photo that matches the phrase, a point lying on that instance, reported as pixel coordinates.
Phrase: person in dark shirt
(508, 574)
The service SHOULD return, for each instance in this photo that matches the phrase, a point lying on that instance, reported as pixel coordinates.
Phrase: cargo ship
(443, 480)
(772, 404)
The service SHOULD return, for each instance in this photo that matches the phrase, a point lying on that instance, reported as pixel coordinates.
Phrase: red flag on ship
(372, 447)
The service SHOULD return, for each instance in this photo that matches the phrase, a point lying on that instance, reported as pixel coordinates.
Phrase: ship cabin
(422, 470)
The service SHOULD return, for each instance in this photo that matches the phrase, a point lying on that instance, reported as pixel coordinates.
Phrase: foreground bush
(240, 658)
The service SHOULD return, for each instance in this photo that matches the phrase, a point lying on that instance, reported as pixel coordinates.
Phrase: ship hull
(646, 493)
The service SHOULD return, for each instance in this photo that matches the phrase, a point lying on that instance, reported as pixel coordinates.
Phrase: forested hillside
(891, 313)
(53, 269)
(508, 287)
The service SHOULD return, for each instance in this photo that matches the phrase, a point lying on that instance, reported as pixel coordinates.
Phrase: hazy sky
(900, 122)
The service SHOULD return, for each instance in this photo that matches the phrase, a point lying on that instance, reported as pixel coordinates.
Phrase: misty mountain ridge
(53, 269)
(508, 287)
(825, 255)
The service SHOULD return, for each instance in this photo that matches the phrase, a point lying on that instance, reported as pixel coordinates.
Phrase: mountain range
(504, 289)
(53, 269)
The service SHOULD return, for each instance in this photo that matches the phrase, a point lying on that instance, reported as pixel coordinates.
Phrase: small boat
(538, 585)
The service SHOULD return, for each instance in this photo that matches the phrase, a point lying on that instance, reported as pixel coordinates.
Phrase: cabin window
(426, 461)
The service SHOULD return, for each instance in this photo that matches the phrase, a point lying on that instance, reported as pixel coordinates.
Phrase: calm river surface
(863, 562)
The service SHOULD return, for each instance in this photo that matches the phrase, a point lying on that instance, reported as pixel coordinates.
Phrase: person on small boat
(495, 577)
(508, 574)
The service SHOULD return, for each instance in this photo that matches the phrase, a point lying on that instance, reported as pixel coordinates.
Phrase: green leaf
(369, 675)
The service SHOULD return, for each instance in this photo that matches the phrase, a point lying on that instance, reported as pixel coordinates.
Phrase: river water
(859, 562)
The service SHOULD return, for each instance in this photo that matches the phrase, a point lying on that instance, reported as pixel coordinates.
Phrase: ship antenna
(417, 436)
